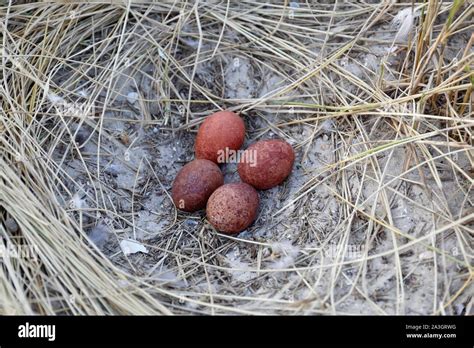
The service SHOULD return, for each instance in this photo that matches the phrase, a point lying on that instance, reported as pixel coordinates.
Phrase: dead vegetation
(99, 107)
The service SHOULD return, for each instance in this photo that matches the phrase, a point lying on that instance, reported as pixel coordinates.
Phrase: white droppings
(99, 235)
(240, 271)
(130, 246)
(162, 54)
(132, 97)
(294, 5)
(285, 254)
(404, 21)
(76, 201)
(54, 98)
(427, 255)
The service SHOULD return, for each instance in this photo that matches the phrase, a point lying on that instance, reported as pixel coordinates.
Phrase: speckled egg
(195, 182)
(267, 163)
(233, 207)
(221, 130)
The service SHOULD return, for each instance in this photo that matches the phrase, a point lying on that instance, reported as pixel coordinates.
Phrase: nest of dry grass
(99, 105)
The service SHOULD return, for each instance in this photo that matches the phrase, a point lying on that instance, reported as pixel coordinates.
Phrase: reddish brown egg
(266, 163)
(221, 130)
(195, 182)
(233, 207)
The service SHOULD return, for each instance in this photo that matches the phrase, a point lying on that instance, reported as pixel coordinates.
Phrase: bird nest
(99, 108)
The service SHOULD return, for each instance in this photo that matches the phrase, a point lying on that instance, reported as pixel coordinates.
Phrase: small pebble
(11, 225)
(190, 222)
(81, 137)
(132, 97)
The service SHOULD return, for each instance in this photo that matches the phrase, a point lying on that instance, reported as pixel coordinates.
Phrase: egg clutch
(230, 208)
